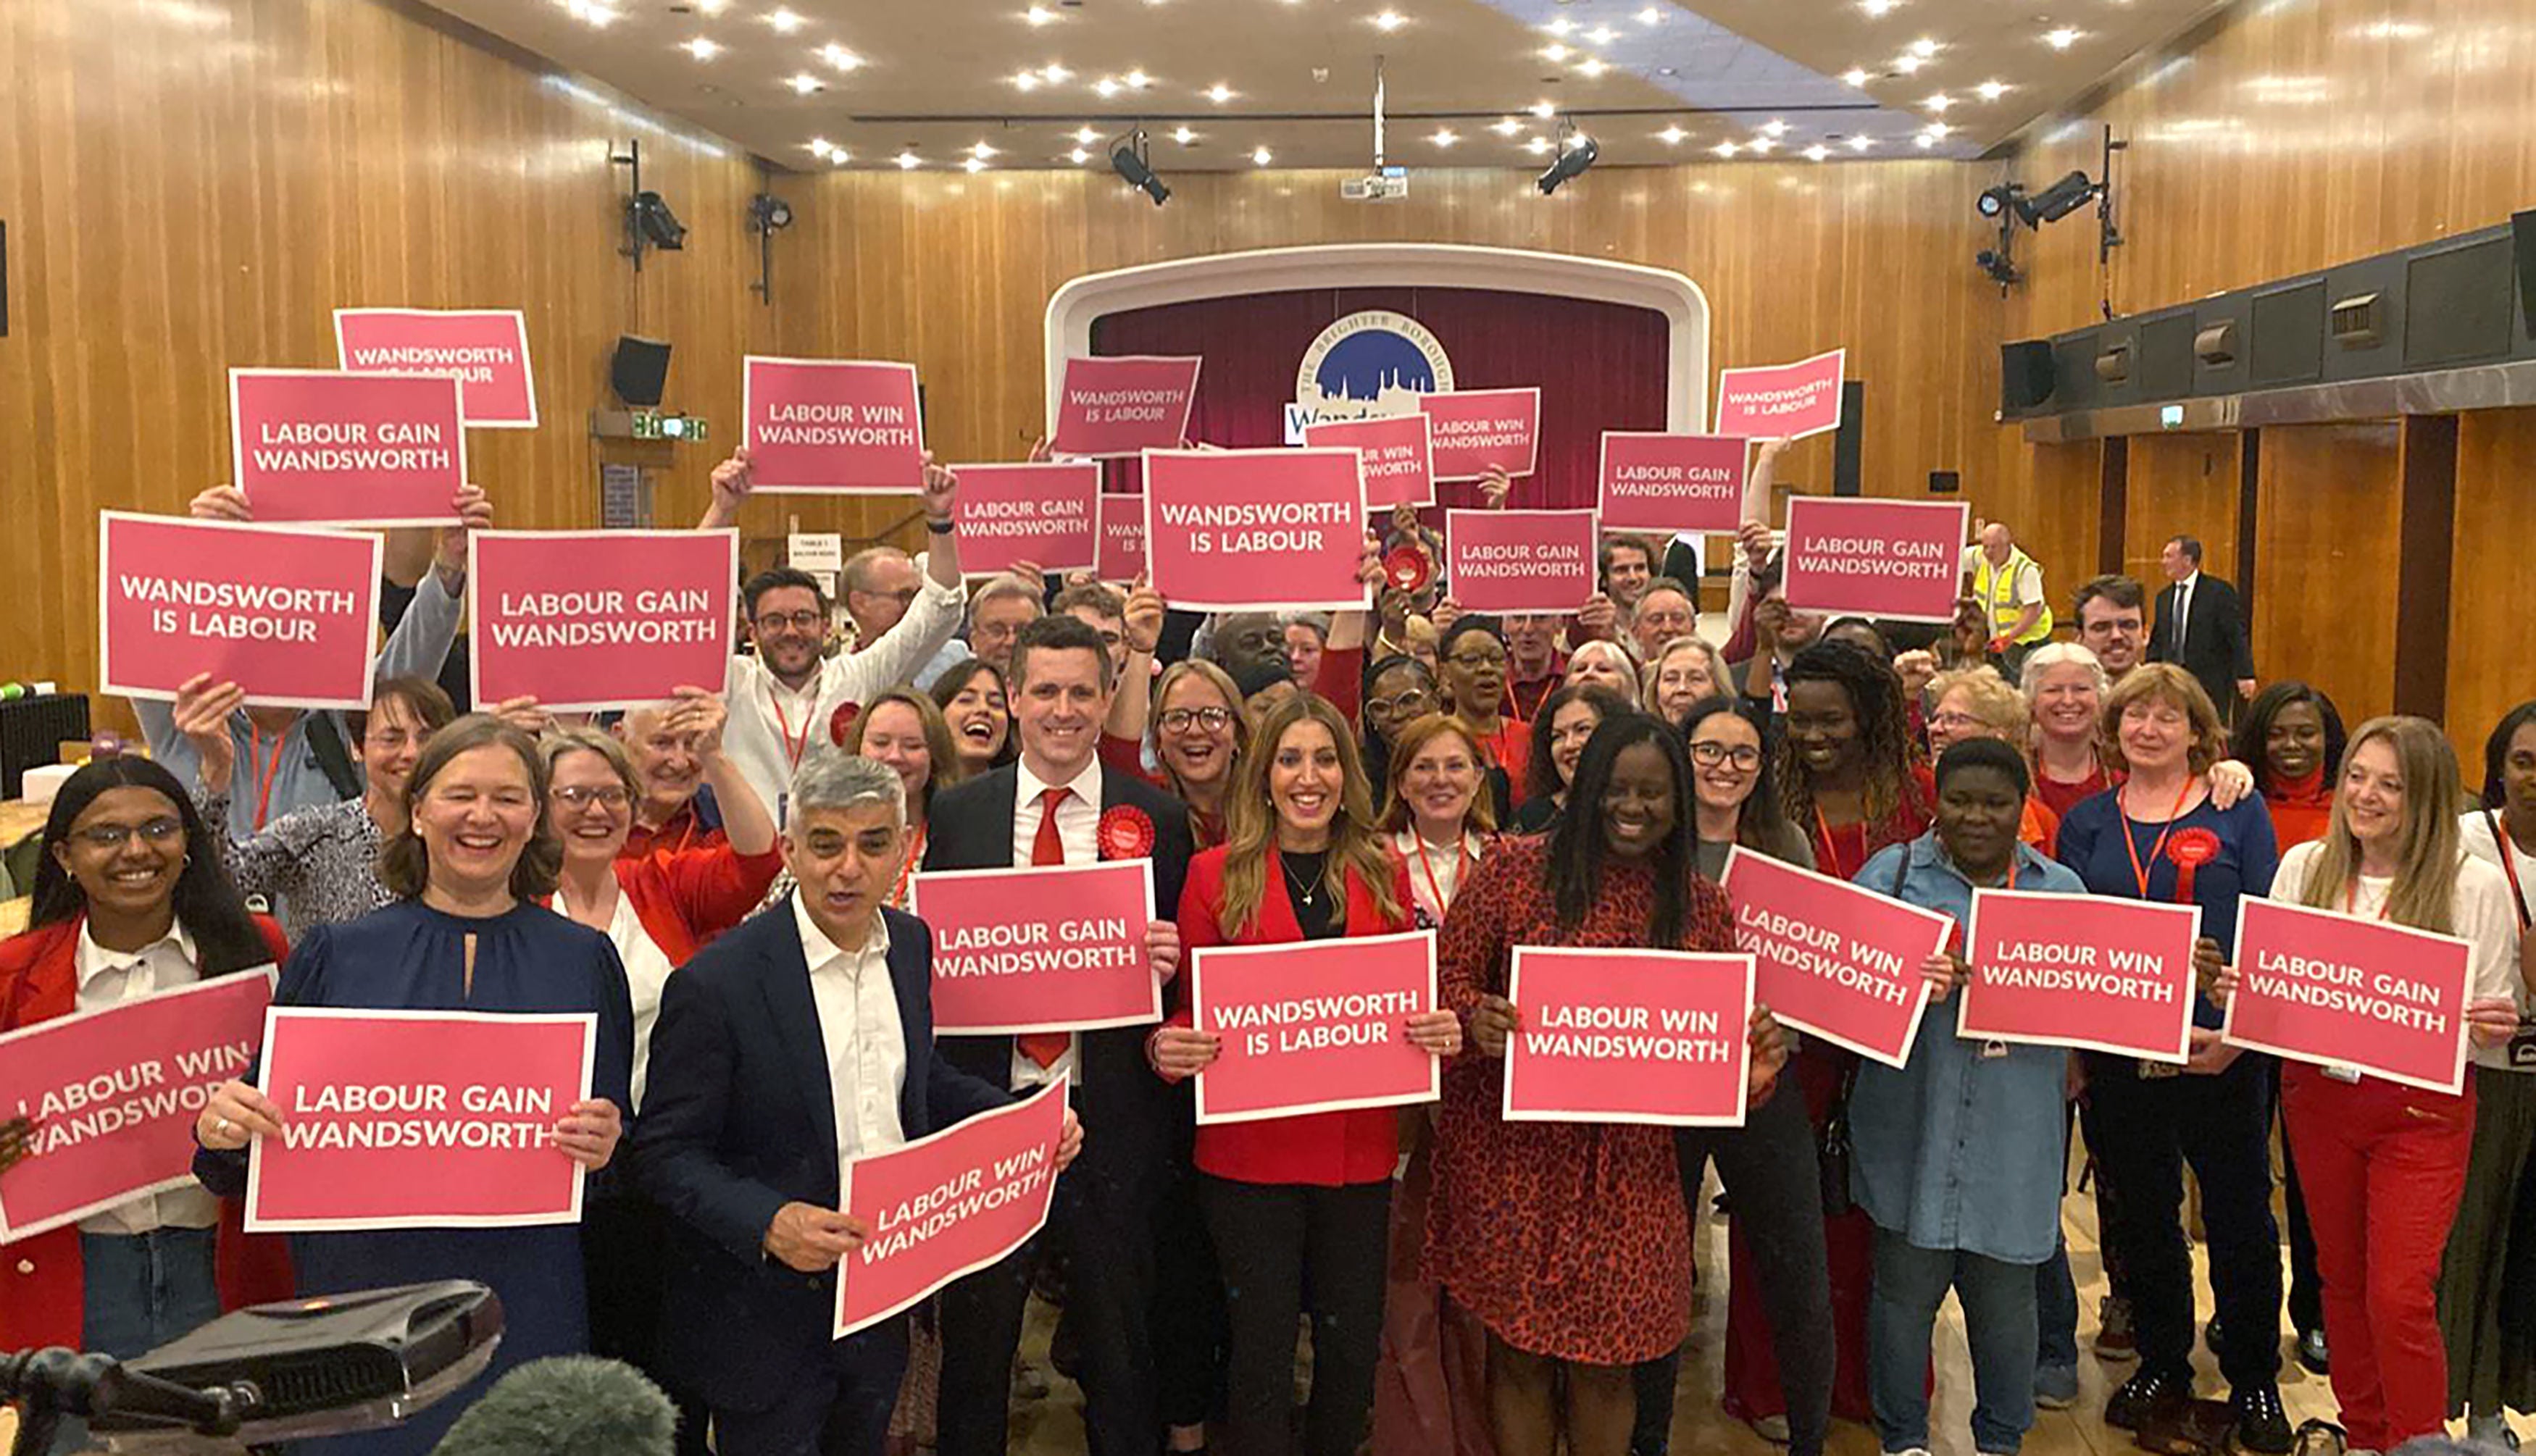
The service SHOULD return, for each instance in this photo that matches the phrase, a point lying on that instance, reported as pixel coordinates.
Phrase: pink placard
(1396, 455)
(1055, 949)
(418, 1120)
(840, 427)
(946, 1205)
(2337, 990)
(1045, 512)
(485, 350)
(1628, 1036)
(1244, 530)
(1519, 560)
(1897, 559)
(1122, 537)
(1119, 407)
(2080, 971)
(1317, 1026)
(114, 1095)
(1785, 402)
(1476, 428)
(337, 448)
(1666, 483)
(1832, 959)
(594, 619)
(288, 614)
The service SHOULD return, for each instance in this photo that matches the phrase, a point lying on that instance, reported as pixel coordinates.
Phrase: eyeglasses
(610, 795)
(1477, 661)
(1415, 701)
(798, 621)
(1181, 719)
(1710, 755)
(113, 836)
(1953, 722)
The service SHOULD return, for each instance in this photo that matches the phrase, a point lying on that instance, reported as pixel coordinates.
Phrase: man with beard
(2113, 622)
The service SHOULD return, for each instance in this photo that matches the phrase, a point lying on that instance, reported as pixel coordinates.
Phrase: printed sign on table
(1397, 453)
(1122, 537)
(594, 620)
(114, 1095)
(1118, 407)
(2080, 971)
(1786, 402)
(1055, 949)
(1045, 511)
(1628, 1036)
(1242, 530)
(1476, 428)
(832, 425)
(1832, 959)
(1502, 561)
(329, 447)
(1898, 559)
(288, 614)
(418, 1120)
(485, 350)
(946, 1205)
(2337, 990)
(1662, 483)
(1318, 1026)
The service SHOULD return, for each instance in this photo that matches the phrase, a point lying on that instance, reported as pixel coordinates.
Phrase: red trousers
(2382, 1166)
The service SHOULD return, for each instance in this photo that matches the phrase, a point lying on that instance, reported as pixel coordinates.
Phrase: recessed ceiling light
(1907, 63)
(838, 56)
(1105, 88)
(908, 161)
(1027, 81)
(1218, 92)
(1672, 136)
(589, 13)
(1507, 126)
(1726, 148)
(1939, 103)
(840, 157)
(1762, 145)
(819, 146)
(1650, 16)
(1926, 141)
(1817, 152)
(1855, 76)
(2061, 38)
(702, 48)
(1261, 156)
(1602, 35)
(1877, 8)
(1555, 52)
(1592, 67)
(1445, 137)
(1559, 26)
(713, 7)
(1861, 141)
(974, 166)
(1543, 110)
(1078, 157)
(803, 82)
(785, 22)
(1537, 145)
(1924, 47)
(1139, 79)
(1086, 135)
(1991, 91)
(1184, 136)
(1940, 129)
(1055, 74)
(1774, 127)
(1390, 20)
(982, 151)
(1038, 14)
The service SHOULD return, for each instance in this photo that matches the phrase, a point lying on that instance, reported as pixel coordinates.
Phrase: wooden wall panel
(2328, 545)
(2180, 485)
(2490, 670)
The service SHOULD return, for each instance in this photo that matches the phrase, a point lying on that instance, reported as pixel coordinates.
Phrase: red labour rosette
(2190, 850)
(1126, 832)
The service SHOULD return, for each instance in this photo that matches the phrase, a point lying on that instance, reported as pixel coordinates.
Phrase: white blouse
(2482, 916)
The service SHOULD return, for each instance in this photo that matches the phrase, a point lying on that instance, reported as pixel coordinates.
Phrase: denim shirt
(1956, 1150)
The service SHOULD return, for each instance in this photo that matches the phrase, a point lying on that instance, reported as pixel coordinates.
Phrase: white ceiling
(1652, 81)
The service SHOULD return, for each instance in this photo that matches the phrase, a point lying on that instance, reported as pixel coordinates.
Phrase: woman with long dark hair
(2292, 738)
(130, 900)
(1567, 721)
(975, 704)
(1570, 1240)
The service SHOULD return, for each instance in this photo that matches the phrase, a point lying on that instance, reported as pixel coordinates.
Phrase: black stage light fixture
(1571, 163)
(1994, 202)
(661, 228)
(768, 213)
(1127, 160)
(1996, 263)
(2057, 201)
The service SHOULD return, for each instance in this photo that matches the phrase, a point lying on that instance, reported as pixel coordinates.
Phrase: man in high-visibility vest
(2009, 586)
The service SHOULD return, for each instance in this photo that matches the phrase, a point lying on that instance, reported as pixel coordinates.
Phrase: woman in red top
(1471, 658)
(2066, 687)
(130, 900)
(1569, 1239)
(2292, 739)
(1297, 1206)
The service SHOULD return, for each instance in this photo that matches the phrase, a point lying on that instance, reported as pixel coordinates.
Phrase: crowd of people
(721, 880)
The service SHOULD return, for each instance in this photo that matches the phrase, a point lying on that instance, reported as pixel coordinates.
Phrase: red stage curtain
(1599, 365)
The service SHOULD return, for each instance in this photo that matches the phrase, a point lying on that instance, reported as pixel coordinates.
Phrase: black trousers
(1772, 1175)
(838, 1407)
(624, 1243)
(2147, 1128)
(1188, 1324)
(1100, 1221)
(1285, 1249)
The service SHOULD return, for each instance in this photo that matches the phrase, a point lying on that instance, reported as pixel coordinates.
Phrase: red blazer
(685, 898)
(41, 1294)
(1323, 1149)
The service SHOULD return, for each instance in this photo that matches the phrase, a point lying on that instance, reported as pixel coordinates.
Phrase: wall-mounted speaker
(2024, 375)
(2114, 363)
(639, 370)
(2522, 232)
(2215, 346)
(2457, 298)
(4, 280)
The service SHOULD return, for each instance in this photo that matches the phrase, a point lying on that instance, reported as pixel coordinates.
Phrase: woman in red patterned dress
(1569, 1240)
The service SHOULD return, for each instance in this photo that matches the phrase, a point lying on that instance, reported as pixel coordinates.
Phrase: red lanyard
(915, 853)
(2509, 851)
(793, 747)
(1461, 862)
(1514, 699)
(2131, 846)
(2351, 896)
(265, 771)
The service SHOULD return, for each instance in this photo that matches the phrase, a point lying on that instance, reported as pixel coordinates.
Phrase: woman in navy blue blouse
(2159, 836)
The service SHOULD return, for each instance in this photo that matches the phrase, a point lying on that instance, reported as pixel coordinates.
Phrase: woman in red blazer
(1299, 1206)
(130, 898)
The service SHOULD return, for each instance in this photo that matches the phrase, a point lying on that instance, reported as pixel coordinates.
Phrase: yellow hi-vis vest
(1995, 590)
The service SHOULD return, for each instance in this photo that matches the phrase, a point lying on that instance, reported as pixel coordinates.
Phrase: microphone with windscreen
(567, 1405)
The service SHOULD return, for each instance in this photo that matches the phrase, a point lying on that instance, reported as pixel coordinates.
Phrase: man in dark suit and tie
(2201, 628)
(801, 1039)
(1057, 805)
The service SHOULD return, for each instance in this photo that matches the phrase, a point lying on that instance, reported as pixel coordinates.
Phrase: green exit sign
(651, 424)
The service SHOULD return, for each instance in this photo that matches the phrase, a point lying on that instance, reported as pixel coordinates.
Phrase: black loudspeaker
(2024, 375)
(4, 279)
(639, 370)
(2522, 232)
(1844, 441)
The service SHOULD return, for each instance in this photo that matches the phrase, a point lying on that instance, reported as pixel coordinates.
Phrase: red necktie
(1047, 848)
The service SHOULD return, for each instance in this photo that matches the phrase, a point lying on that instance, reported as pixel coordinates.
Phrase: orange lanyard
(793, 747)
(1461, 862)
(915, 855)
(265, 771)
(2131, 846)
(2351, 896)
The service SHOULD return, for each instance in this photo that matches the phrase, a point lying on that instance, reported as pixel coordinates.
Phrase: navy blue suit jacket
(738, 1120)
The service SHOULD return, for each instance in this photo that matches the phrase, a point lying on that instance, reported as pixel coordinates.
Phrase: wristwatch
(943, 526)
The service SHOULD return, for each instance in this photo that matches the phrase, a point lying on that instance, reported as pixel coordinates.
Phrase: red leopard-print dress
(1568, 1239)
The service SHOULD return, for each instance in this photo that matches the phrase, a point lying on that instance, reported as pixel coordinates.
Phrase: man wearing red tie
(1056, 807)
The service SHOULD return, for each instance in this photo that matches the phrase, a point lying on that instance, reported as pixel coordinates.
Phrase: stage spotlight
(768, 213)
(1996, 265)
(1127, 160)
(1571, 165)
(2057, 201)
(1994, 202)
(661, 228)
